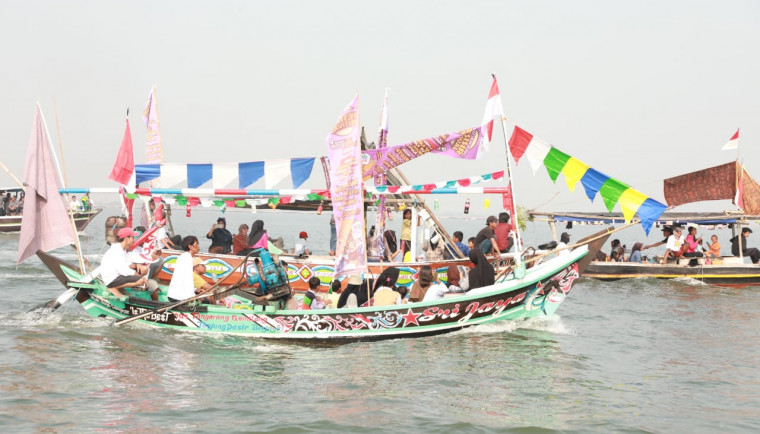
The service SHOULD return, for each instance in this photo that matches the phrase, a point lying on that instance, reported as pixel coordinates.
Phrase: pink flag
(493, 108)
(343, 150)
(45, 224)
(732, 143)
(154, 154)
(123, 170)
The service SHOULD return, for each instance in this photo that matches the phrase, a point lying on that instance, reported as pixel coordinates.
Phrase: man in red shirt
(503, 240)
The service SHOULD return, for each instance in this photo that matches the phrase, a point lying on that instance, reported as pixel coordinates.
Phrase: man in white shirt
(181, 286)
(675, 245)
(116, 270)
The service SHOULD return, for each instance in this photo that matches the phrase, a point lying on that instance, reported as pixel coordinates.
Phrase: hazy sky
(639, 90)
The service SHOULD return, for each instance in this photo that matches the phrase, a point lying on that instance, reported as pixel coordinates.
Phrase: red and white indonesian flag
(493, 109)
(123, 170)
(733, 143)
(45, 223)
(524, 143)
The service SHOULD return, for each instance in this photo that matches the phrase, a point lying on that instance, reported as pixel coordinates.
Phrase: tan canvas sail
(714, 183)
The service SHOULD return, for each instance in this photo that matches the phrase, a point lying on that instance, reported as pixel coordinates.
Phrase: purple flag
(461, 144)
(343, 150)
(45, 224)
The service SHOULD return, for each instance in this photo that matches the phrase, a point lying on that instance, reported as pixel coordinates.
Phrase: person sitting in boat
(693, 244)
(614, 246)
(384, 293)
(562, 249)
(667, 231)
(482, 274)
(621, 254)
(147, 254)
(199, 283)
(486, 239)
(258, 239)
(433, 248)
(301, 249)
(503, 229)
(425, 279)
(181, 287)
(335, 291)
(456, 278)
(117, 271)
(713, 250)
(356, 287)
(392, 252)
(74, 204)
(162, 238)
(311, 300)
(438, 290)
(635, 253)
(86, 205)
(470, 244)
(240, 240)
(457, 237)
(675, 246)
(752, 252)
(221, 238)
(13, 206)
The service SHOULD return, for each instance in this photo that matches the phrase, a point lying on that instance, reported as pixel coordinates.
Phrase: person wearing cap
(301, 249)
(181, 286)
(675, 246)
(221, 238)
(667, 231)
(434, 248)
(738, 245)
(116, 270)
(486, 239)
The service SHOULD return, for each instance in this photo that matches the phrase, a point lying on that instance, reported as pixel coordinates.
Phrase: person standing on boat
(333, 236)
(116, 270)
(221, 238)
(486, 239)
(240, 240)
(181, 287)
(693, 244)
(406, 230)
(503, 229)
(752, 252)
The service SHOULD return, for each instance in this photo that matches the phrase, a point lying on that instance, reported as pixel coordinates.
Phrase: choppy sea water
(635, 355)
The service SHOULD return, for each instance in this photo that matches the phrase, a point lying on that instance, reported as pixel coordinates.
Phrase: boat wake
(552, 324)
(690, 281)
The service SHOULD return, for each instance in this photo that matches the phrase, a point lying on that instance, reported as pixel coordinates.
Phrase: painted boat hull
(539, 293)
(82, 219)
(730, 275)
(226, 269)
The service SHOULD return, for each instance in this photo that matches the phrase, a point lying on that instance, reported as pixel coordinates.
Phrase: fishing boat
(534, 284)
(11, 224)
(727, 181)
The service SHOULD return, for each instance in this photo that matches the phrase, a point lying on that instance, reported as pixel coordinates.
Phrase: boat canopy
(726, 181)
(668, 218)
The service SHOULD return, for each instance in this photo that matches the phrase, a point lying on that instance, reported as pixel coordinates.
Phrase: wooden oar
(607, 233)
(208, 293)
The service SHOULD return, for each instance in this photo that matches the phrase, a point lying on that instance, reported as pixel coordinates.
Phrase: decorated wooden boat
(81, 218)
(538, 292)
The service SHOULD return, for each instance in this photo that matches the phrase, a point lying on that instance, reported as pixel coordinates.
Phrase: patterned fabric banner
(344, 152)
(461, 144)
(612, 191)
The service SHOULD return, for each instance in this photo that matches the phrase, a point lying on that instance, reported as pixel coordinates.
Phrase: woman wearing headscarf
(258, 236)
(636, 253)
(392, 252)
(454, 279)
(357, 286)
(424, 280)
(434, 248)
(482, 274)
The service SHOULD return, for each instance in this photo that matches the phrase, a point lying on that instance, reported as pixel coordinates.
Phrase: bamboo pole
(8, 171)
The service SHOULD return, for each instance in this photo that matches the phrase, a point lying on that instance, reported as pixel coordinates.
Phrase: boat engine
(272, 279)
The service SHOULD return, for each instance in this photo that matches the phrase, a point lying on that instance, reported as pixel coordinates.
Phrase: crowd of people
(12, 204)
(678, 245)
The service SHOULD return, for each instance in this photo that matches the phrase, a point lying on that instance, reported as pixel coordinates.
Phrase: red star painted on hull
(411, 318)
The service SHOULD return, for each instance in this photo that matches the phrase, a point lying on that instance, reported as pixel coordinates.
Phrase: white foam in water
(690, 281)
(552, 324)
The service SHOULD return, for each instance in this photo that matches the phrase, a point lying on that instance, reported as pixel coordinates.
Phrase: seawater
(632, 356)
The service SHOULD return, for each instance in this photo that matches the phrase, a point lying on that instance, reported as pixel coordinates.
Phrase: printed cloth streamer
(540, 153)
(464, 182)
(224, 174)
